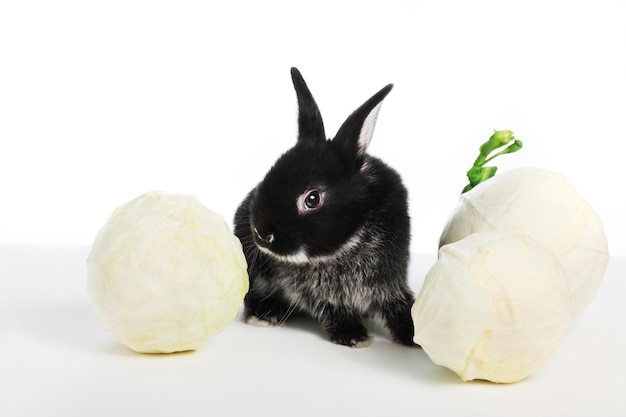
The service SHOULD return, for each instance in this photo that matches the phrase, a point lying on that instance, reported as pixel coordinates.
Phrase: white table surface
(56, 360)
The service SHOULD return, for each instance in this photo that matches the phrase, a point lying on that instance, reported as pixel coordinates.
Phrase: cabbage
(544, 205)
(494, 306)
(165, 274)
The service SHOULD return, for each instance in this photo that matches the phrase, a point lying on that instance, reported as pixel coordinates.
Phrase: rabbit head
(312, 202)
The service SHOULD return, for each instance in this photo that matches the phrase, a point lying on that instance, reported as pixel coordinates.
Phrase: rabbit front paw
(271, 321)
(348, 331)
(353, 342)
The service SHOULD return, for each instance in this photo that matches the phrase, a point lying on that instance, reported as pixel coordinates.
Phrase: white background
(57, 361)
(102, 101)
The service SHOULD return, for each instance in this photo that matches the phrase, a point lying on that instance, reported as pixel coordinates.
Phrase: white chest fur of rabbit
(327, 231)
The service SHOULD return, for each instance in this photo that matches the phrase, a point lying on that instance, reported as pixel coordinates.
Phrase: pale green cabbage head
(165, 273)
(546, 206)
(493, 307)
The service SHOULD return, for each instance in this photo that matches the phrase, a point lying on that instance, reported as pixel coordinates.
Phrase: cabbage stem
(479, 172)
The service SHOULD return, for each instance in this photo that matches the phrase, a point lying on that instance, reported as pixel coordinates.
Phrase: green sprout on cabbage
(479, 172)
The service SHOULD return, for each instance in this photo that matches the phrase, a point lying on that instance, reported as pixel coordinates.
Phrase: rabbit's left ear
(357, 131)
(310, 124)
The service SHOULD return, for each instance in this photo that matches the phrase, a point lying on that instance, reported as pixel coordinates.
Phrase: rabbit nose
(265, 238)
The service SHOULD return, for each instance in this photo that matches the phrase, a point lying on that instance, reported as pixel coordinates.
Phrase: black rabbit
(327, 231)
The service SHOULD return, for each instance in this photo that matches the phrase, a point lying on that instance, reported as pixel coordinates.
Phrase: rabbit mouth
(263, 239)
(300, 257)
(266, 242)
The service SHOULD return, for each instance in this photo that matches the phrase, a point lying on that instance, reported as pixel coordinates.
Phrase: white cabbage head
(165, 274)
(544, 205)
(493, 307)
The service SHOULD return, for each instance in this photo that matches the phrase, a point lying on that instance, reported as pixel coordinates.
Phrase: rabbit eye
(313, 199)
(310, 200)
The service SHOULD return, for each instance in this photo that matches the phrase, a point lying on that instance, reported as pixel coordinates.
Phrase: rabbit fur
(326, 233)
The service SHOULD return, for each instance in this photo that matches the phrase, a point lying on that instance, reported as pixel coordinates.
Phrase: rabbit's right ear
(310, 124)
